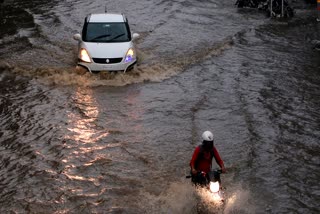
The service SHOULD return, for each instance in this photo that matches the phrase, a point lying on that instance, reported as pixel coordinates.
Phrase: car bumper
(92, 67)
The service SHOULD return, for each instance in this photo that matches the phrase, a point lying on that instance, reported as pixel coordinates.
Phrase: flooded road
(82, 143)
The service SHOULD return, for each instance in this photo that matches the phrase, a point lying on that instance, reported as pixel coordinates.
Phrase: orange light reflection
(84, 135)
(84, 119)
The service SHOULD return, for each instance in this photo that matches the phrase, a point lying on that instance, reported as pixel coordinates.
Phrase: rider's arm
(218, 159)
(193, 160)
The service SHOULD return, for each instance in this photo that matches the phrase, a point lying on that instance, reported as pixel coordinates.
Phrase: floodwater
(82, 143)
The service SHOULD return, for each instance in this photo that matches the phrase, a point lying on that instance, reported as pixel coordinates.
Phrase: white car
(106, 43)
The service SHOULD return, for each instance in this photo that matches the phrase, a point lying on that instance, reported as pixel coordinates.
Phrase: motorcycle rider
(201, 160)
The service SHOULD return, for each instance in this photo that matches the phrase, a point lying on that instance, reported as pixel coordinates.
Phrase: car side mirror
(135, 36)
(77, 37)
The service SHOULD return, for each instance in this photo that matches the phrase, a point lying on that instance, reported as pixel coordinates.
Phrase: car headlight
(84, 56)
(130, 55)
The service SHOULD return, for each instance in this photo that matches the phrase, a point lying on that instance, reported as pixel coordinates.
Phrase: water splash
(74, 76)
(177, 198)
(148, 70)
(238, 201)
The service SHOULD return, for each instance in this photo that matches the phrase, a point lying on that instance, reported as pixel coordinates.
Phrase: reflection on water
(67, 146)
(83, 141)
(83, 126)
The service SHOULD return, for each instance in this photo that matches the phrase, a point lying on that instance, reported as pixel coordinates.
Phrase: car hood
(107, 50)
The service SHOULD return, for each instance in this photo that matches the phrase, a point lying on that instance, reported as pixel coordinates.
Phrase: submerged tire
(81, 70)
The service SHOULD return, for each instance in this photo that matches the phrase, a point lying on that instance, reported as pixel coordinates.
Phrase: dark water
(81, 143)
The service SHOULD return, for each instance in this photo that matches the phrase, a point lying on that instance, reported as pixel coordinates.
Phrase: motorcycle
(265, 5)
(277, 10)
(247, 3)
(210, 181)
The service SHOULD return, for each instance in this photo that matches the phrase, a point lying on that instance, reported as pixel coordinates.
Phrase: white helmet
(207, 136)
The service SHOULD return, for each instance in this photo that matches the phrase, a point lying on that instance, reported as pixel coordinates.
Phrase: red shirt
(205, 163)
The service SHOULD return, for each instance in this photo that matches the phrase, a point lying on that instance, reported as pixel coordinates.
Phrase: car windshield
(106, 32)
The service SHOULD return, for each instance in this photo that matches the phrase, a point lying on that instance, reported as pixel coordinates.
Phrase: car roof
(106, 17)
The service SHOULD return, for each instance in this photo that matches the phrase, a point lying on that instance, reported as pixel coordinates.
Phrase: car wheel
(95, 72)
(132, 68)
(81, 70)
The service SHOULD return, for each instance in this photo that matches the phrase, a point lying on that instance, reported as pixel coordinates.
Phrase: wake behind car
(106, 43)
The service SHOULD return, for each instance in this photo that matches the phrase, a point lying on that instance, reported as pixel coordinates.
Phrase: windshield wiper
(116, 37)
(99, 37)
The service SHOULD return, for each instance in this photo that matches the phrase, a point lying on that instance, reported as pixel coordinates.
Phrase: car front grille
(107, 60)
